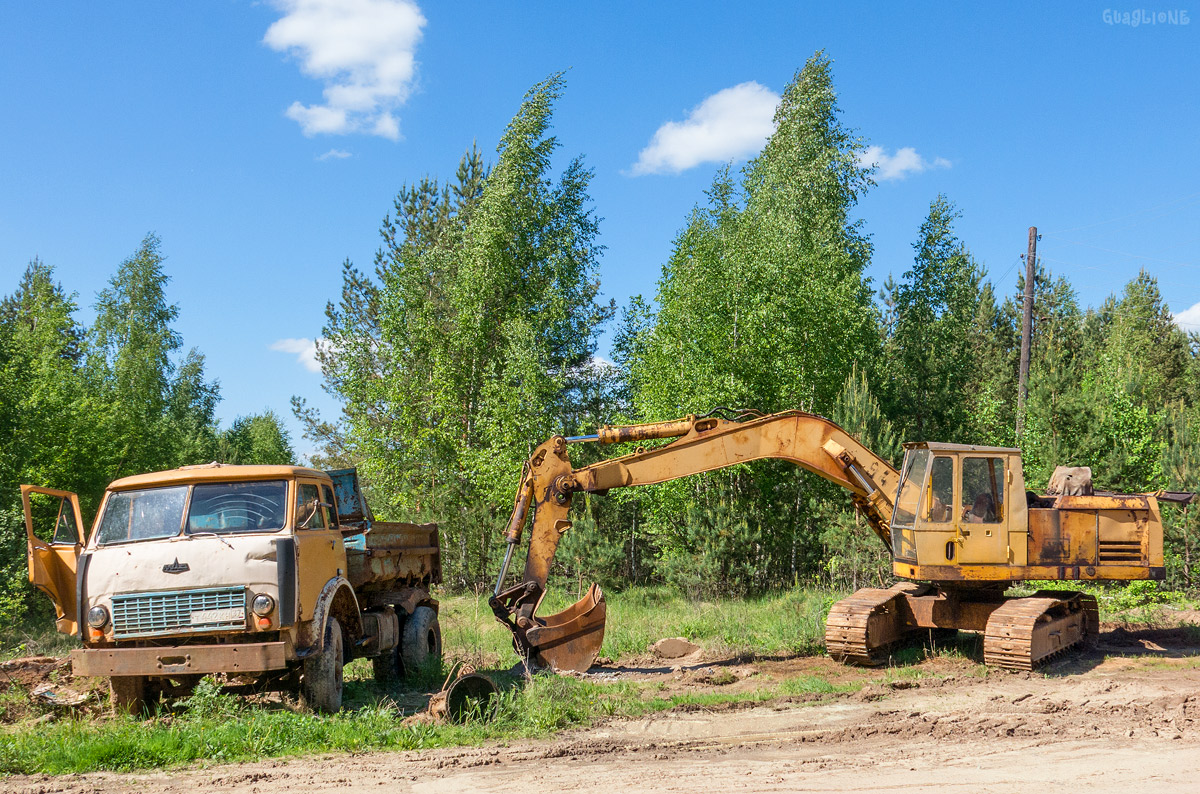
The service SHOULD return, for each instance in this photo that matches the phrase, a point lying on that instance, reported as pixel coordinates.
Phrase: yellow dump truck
(272, 575)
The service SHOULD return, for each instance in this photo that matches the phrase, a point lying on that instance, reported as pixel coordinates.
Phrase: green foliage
(475, 338)
(932, 351)
(260, 438)
(763, 304)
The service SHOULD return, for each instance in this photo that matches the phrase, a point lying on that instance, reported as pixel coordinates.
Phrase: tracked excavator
(957, 519)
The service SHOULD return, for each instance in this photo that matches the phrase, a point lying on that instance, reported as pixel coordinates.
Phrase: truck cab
(231, 569)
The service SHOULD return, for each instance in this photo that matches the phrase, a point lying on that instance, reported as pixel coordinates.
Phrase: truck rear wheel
(321, 682)
(420, 641)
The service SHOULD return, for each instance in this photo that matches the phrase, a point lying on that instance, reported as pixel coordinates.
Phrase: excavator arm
(571, 639)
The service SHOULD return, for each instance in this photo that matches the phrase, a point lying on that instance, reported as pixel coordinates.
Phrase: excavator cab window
(939, 500)
(983, 490)
(912, 481)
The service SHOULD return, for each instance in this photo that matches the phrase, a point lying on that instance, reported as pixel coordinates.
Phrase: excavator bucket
(570, 640)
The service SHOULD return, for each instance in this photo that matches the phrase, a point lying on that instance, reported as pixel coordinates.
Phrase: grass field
(219, 727)
(792, 622)
(212, 726)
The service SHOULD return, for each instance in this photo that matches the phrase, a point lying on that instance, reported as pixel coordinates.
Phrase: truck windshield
(142, 515)
(238, 507)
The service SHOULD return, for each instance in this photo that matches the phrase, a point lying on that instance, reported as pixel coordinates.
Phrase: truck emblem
(176, 567)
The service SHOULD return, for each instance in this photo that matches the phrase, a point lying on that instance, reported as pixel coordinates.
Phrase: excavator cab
(958, 505)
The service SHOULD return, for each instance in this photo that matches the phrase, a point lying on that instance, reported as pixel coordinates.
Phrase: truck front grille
(179, 611)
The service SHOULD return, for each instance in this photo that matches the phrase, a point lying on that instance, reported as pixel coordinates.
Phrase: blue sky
(264, 141)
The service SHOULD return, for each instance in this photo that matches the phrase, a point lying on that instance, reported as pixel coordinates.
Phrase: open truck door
(52, 565)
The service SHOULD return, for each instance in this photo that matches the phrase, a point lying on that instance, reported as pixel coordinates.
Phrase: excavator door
(52, 565)
(982, 518)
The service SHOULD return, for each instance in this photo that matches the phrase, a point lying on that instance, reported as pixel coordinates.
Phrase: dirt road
(1124, 725)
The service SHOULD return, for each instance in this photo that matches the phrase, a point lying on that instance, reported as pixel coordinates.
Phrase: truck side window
(327, 498)
(983, 490)
(941, 490)
(65, 531)
(309, 513)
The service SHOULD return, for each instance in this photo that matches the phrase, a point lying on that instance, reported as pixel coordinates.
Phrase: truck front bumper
(183, 660)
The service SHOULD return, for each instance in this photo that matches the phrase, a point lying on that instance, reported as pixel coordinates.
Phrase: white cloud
(334, 154)
(904, 162)
(732, 123)
(1189, 319)
(362, 50)
(304, 349)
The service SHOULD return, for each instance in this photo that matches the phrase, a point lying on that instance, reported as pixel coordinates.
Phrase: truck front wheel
(421, 641)
(130, 694)
(321, 682)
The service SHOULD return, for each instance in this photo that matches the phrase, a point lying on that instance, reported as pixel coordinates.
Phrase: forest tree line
(474, 337)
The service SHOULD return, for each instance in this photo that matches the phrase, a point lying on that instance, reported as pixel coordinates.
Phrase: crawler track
(862, 628)
(1027, 631)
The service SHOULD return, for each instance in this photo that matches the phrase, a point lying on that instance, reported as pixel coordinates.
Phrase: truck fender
(414, 597)
(337, 598)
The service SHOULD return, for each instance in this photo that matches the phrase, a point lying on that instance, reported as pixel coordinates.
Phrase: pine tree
(931, 351)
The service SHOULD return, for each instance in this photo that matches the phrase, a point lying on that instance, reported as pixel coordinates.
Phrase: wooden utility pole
(1026, 330)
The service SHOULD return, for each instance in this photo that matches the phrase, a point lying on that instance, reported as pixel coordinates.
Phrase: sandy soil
(1098, 722)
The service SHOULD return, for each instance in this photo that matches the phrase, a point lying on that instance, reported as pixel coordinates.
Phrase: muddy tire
(129, 694)
(420, 641)
(321, 680)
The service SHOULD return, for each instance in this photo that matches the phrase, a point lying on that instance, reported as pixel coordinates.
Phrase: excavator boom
(571, 639)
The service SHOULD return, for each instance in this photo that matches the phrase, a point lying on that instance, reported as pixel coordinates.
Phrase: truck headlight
(97, 617)
(263, 605)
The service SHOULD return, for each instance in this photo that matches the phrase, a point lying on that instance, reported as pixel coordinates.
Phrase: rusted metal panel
(396, 552)
(1046, 545)
(1081, 535)
(1103, 502)
(1018, 573)
(180, 660)
(946, 611)
(1122, 526)
(351, 506)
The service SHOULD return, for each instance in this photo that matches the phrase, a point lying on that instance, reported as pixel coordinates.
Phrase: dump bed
(392, 554)
(383, 555)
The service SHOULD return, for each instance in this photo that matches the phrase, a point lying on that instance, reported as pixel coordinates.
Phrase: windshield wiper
(208, 534)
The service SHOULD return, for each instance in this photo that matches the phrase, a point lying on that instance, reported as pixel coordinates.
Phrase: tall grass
(792, 622)
(219, 727)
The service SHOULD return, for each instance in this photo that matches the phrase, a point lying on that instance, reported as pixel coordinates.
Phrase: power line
(1124, 217)
(1122, 253)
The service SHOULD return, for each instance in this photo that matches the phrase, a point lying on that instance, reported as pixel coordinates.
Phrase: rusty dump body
(956, 518)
